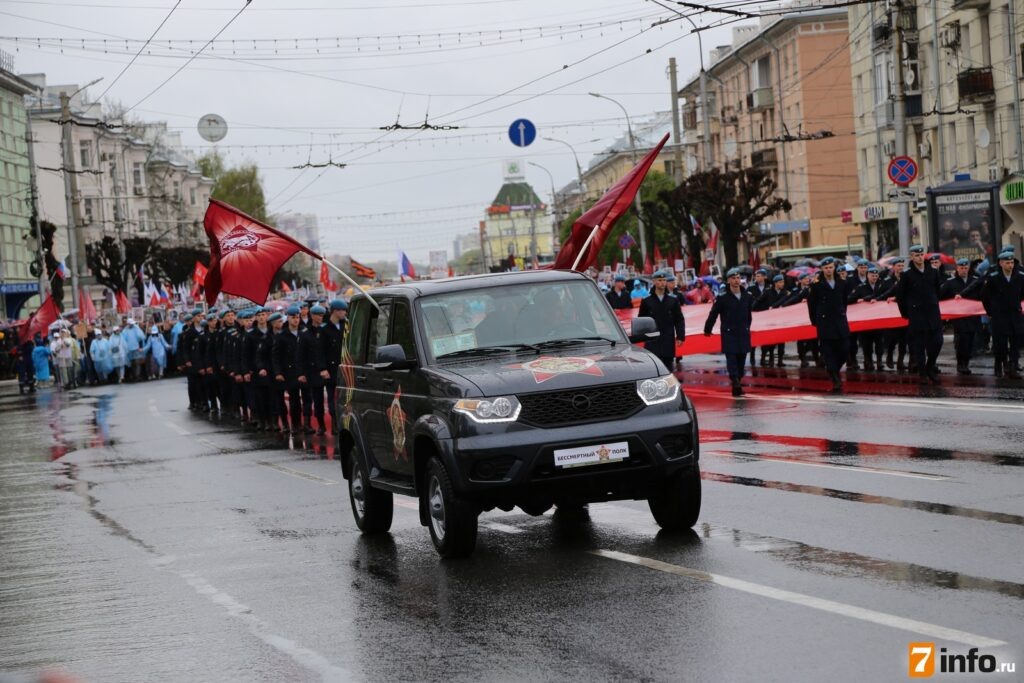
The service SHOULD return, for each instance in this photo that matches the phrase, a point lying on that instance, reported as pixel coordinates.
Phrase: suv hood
(577, 366)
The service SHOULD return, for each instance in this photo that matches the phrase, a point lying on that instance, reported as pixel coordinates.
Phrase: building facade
(778, 99)
(516, 220)
(960, 68)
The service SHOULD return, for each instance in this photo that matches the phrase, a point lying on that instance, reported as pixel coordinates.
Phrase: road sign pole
(900, 124)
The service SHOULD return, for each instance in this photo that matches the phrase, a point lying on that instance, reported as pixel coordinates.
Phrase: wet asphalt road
(141, 542)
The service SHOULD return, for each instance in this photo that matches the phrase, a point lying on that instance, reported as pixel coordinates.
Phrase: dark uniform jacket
(250, 342)
(865, 292)
(957, 286)
(757, 292)
(262, 356)
(333, 338)
(187, 348)
(826, 307)
(917, 296)
(309, 354)
(770, 299)
(619, 300)
(1002, 298)
(795, 296)
(737, 315)
(283, 355)
(668, 314)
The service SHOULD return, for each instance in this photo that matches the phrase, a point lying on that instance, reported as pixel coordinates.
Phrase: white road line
(872, 616)
(407, 504)
(883, 402)
(176, 427)
(296, 473)
(506, 528)
(850, 468)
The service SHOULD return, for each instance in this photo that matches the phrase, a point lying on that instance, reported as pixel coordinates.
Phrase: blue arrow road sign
(522, 132)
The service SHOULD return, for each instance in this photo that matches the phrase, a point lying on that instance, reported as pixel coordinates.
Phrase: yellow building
(516, 221)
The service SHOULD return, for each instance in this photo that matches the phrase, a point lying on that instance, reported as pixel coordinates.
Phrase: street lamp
(554, 204)
(632, 147)
(579, 169)
(69, 194)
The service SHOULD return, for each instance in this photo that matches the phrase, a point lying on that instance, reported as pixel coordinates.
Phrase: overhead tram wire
(129, 64)
(183, 66)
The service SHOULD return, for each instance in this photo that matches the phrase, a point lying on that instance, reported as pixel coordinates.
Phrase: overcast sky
(375, 62)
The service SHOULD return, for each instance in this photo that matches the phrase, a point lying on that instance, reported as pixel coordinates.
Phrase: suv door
(368, 331)
(402, 394)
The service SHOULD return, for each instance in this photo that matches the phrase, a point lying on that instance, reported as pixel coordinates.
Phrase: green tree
(50, 262)
(470, 262)
(238, 186)
(176, 264)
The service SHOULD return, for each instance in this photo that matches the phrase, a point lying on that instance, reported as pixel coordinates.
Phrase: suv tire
(372, 508)
(676, 503)
(452, 522)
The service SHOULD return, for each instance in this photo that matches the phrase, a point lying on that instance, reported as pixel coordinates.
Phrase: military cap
(339, 305)
(304, 304)
(1008, 247)
(778, 278)
(917, 249)
(317, 309)
(827, 261)
(1006, 256)
(196, 311)
(620, 278)
(804, 275)
(873, 269)
(292, 310)
(733, 272)
(762, 271)
(863, 262)
(671, 278)
(223, 313)
(211, 316)
(258, 309)
(963, 262)
(935, 257)
(897, 260)
(274, 317)
(246, 314)
(660, 273)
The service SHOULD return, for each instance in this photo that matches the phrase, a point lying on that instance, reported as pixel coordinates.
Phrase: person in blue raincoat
(134, 341)
(735, 306)
(118, 353)
(101, 360)
(156, 348)
(41, 360)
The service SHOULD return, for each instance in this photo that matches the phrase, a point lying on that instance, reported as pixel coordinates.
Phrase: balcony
(913, 107)
(729, 116)
(760, 100)
(976, 85)
(689, 119)
(884, 114)
(970, 4)
(764, 158)
(881, 33)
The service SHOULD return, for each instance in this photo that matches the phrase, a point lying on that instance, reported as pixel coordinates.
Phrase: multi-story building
(515, 220)
(17, 284)
(778, 98)
(611, 164)
(304, 227)
(960, 88)
(132, 181)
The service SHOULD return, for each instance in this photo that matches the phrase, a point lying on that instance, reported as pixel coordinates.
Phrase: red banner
(40, 321)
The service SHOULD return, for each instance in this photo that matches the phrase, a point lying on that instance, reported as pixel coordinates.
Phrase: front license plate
(591, 455)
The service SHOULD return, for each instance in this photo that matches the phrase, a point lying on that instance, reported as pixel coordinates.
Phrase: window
(87, 209)
(880, 75)
(972, 148)
(402, 330)
(177, 190)
(359, 324)
(143, 220)
(192, 196)
(85, 153)
(138, 175)
(760, 73)
(379, 330)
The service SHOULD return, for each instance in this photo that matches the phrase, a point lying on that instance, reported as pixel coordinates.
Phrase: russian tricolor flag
(62, 271)
(405, 268)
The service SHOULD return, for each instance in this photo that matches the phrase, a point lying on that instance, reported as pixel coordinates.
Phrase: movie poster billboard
(966, 224)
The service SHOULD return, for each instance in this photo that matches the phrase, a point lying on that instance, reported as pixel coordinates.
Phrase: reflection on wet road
(140, 541)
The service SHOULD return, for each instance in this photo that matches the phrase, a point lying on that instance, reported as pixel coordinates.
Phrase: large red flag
(325, 278)
(123, 305)
(245, 254)
(86, 309)
(41, 320)
(600, 218)
(199, 273)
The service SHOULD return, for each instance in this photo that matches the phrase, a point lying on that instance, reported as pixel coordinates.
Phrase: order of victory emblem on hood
(546, 367)
(237, 239)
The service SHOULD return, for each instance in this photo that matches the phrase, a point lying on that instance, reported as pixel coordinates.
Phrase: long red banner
(780, 325)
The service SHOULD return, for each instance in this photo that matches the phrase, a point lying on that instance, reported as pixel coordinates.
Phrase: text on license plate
(591, 455)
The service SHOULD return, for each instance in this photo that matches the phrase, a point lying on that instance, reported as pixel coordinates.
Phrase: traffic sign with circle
(522, 132)
(902, 170)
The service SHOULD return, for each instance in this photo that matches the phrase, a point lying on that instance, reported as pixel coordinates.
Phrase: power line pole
(900, 122)
(70, 193)
(677, 140)
(34, 195)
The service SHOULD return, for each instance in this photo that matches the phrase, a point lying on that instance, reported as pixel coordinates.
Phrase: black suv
(504, 390)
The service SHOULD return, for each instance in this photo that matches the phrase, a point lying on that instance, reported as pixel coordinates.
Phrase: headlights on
(661, 390)
(500, 409)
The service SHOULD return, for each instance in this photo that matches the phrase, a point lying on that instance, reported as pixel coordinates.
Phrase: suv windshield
(518, 317)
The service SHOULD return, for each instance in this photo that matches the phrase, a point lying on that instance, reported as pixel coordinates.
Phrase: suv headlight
(499, 409)
(660, 390)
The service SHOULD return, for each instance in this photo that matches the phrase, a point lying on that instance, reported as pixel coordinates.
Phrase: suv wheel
(452, 521)
(676, 504)
(372, 508)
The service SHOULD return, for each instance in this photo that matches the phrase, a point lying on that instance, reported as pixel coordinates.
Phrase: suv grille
(579, 406)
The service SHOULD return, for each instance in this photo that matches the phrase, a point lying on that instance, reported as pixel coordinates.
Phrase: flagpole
(355, 284)
(583, 249)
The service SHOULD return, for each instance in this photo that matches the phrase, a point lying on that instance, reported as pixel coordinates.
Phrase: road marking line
(861, 613)
(295, 473)
(851, 468)
(883, 402)
(176, 427)
(407, 504)
(506, 528)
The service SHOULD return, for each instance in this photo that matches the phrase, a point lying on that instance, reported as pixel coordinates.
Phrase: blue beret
(733, 272)
(863, 262)
(222, 313)
(196, 311)
(762, 271)
(211, 316)
(318, 310)
(256, 310)
(982, 267)
(1008, 247)
(1006, 256)
(660, 273)
(963, 262)
(803, 275)
(828, 260)
(897, 260)
(339, 305)
(274, 317)
(292, 310)
(779, 278)
(935, 257)
(620, 278)
(917, 249)
(303, 304)
(873, 269)
(247, 314)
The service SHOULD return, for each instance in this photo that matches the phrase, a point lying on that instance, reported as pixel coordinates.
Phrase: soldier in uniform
(303, 314)
(311, 362)
(756, 291)
(245, 366)
(1002, 295)
(873, 341)
(226, 347)
(215, 405)
(917, 296)
(334, 337)
(771, 298)
(277, 411)
(617, 296)
(796, 295)
(735, 306)
(964, 329)
(826, 308)
(185, 356)
(260, 341)
(895, 338)
(283, 358)
(667, 313)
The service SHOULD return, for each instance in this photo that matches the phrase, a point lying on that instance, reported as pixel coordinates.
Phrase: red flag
(41, 320)
(647, 265)
(601, 217)
(363, 271)
(755, 257)
(123, 306)
(451, 273)
(285, 288)
(325, 278)
(199, 274)
(244, 253)
(86, 309)
(657, 254)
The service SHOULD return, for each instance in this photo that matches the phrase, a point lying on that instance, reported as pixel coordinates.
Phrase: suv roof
(419, 288)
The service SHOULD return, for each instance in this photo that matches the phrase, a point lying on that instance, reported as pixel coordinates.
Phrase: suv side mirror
(642, 329)
(392, 357)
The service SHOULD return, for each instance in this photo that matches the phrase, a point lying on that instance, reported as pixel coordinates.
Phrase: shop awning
(814, 251)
